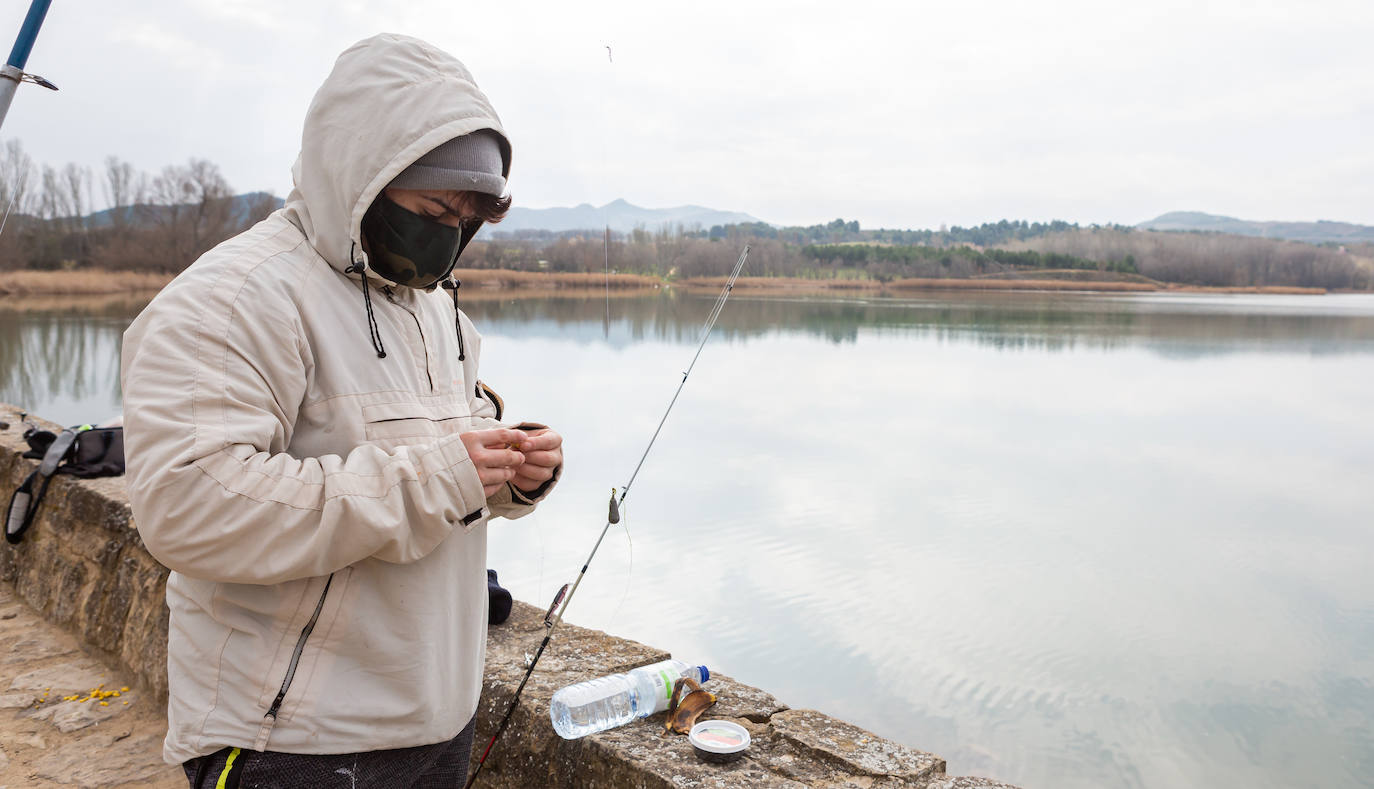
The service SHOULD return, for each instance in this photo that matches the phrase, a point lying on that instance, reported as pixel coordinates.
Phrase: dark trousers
(443, 764)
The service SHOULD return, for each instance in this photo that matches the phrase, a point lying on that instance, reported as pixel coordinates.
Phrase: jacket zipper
(419, 329)
(296, 653)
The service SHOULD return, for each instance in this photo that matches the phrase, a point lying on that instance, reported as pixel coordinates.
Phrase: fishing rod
(12, 73)
(554, 616)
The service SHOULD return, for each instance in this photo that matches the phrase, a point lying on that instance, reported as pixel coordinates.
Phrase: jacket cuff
(501, 497)
(529, 497)
(471, 503)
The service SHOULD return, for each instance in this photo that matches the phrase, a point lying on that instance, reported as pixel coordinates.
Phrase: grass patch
(781, 283)
(794, 284)
(1017, 284)
(89, 282)
(501, 278)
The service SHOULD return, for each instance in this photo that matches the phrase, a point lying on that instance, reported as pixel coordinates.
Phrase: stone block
(70, 716)
(822, 739)
(16, 701)
(131, 764)
(83, 566)
(790, 748)
(63, 679)
(967, 782)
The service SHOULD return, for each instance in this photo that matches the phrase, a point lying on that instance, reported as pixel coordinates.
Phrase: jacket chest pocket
(391, 425)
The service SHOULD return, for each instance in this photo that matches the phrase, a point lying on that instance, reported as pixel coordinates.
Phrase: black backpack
(83, 451)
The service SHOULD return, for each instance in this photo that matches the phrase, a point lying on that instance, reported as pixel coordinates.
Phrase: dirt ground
(54, 729)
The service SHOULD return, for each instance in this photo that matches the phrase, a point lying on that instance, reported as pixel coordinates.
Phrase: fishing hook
(554, 617)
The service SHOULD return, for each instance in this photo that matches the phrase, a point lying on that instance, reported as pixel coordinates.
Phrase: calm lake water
(1062, 540)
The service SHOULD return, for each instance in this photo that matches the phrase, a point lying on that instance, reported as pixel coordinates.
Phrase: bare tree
(191, 209)
(125, 188)
(258, 206)
(18, 178)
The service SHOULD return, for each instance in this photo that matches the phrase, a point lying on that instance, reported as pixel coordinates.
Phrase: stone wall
(83, 566)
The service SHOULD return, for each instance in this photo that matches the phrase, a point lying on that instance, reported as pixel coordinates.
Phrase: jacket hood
(389, 100)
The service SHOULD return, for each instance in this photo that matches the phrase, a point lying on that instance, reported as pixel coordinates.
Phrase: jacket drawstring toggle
(452, 284)
(360, 268)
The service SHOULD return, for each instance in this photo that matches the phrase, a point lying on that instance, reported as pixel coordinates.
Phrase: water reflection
(1028, 532)
(1177, 326)
(59, 358)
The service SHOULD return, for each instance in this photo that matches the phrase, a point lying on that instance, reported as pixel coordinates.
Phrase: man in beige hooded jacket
(311, 453)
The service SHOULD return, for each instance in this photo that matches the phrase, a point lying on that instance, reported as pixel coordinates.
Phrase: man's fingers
(545, 440)
(498, 437)
(497, 457)
(541, 458)
(526, 483)
(494, 476)
(536, 473)
(501, 455)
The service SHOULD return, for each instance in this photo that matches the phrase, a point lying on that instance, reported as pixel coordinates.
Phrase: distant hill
(136, 214)
(619, 215)
(1311, 232)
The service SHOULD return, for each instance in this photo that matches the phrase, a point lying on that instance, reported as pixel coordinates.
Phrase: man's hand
(492, 452)
(543, 451)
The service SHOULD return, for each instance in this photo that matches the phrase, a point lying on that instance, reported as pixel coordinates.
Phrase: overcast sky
(898, 114)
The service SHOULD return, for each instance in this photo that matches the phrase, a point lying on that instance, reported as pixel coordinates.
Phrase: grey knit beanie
(471, 163)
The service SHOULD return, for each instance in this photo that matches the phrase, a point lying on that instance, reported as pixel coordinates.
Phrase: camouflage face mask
(407, 248)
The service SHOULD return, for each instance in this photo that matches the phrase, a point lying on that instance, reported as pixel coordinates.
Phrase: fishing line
(15, 193)
(605, 163)
(607, 91)
(539, 535)
(554, 616)
(630, 571)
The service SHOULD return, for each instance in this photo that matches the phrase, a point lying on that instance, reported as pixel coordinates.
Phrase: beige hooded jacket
(325, 527)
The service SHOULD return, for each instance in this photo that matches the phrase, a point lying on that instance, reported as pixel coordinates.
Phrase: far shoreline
(97, 282)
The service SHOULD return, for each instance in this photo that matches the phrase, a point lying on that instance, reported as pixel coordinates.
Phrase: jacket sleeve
(210, 401)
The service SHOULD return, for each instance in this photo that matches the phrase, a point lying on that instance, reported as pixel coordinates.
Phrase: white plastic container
(604, 703)
(719, 741)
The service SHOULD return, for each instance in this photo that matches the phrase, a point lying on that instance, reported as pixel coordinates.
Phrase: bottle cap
(719, 741)
(705, 673)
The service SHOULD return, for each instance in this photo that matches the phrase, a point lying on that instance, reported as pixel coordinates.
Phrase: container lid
(719, 737)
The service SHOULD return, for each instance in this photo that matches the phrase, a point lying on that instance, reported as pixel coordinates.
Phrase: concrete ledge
(83, 567)
(789, 748)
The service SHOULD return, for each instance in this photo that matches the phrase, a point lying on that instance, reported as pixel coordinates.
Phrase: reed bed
(1074, 275)
(782, 283)
(98, 282)
(87, 282)
(792, 284)
(502, 278)
(921, 283)
(470, 295)
(1270, 290)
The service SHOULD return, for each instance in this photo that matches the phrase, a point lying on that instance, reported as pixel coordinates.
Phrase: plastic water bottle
(604, 703)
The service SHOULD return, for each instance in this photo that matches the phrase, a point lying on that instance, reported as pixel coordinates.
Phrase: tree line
(151, 221)
(838, 231)
(161, 222)
(1213, 259)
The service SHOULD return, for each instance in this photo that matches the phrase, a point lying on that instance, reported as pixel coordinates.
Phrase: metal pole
(13, 70)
